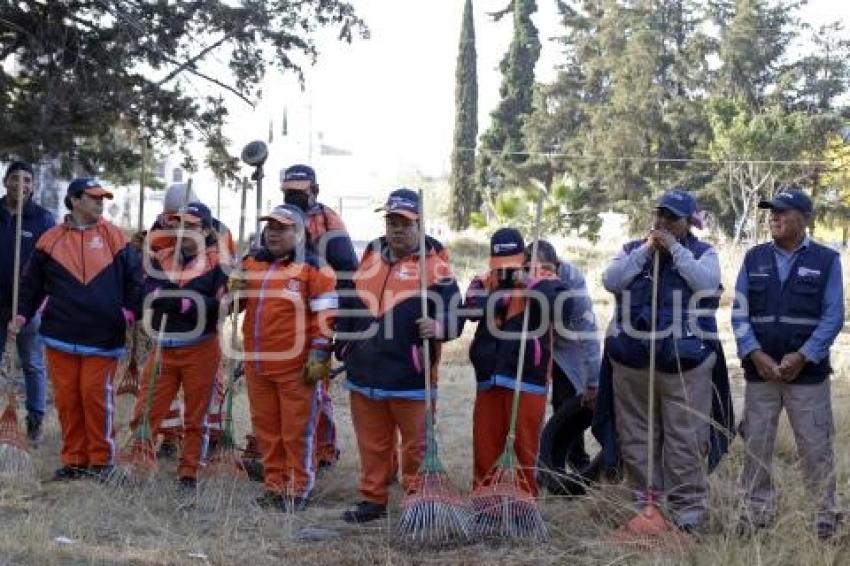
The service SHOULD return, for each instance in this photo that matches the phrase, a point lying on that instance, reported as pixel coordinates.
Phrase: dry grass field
(87, 523)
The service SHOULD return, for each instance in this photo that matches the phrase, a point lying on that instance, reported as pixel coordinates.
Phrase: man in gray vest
(789, 307)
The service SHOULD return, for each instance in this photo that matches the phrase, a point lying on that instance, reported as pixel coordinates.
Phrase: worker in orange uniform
(290, 303)
(330, 240)
(380, 341)
(89, 275)
(499, 299)
(185, 281)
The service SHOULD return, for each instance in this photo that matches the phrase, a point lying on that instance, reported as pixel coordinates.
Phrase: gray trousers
(809, 409)
(682, 429)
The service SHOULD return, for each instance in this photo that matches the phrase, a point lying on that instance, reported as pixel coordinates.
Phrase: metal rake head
(130, 383)
(225, 463)
(434, 514)
(137, 464)
(505, 508)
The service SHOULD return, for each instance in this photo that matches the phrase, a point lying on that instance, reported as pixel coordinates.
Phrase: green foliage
(465, 198)
(82, 70)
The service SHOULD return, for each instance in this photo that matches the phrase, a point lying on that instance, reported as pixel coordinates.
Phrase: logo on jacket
(96, 243)
(806, 272)
(293, 286)
(26, 234)
(406, 273)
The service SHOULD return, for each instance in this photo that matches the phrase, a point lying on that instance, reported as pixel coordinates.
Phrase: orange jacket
(290, 308)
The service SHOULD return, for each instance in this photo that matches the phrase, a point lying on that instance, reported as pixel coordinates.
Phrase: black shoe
(825, 530)
(187, 483)
(69, 473)
(102, 474)
(254, 469)
(299, 503)
(168, 450)
(364, 512)
(748, 526)
(271, 500)
(34, 432)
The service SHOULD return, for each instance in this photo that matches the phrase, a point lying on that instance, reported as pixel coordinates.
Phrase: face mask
(297, 198)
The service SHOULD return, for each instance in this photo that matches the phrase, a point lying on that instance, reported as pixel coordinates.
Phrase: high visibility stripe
(110, 412)
(799, 320)
(324, 302)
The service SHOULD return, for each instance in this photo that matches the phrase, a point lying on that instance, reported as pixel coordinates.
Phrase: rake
(227, 461)
(137, 462)
(15, 459)
(129, 384)
(504, 504)
(650, 530)
(434, 512)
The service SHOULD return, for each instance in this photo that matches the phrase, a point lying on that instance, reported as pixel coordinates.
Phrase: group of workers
(305, 297)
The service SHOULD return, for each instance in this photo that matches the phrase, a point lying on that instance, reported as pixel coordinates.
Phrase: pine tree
(465, 197)
(503, 144)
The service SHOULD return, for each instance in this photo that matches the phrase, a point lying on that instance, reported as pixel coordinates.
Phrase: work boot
(271, 500)
(187, 483)
(69, 473)
(364, 512)
(34, 431)
(102, 474)
(168, 449)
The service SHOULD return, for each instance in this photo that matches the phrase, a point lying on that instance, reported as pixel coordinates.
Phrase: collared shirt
(701, 274)
(816, 348)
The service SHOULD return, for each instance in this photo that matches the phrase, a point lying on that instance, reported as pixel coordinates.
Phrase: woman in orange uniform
(290, 303)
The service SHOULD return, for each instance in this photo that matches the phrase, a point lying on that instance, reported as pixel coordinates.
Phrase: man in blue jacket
(36, 220)
(789, 308)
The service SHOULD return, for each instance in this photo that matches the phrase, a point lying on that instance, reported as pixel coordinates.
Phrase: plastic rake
(15, 459)
(137, 462)
(433, 513)
(504, 505)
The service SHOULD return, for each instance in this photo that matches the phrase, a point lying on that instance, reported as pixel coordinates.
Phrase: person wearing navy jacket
(789, 309)
(686, 355)
(35, 221)
(379, 338)
(91, 280)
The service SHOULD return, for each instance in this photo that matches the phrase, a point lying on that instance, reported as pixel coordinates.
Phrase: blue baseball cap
(507, 249)
(195, 212)
(402, 201)
(300, 177)
(18, 166)
(789, 197)
(88, 185)
(679, 202)
(287, 214)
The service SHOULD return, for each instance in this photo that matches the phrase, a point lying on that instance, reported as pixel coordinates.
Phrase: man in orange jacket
(290, 304)
(89, 275)
(185, 281)
(332, 243)
(380, 342)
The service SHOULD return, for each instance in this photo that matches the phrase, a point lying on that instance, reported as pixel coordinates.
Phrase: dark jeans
(31, 356)
(563, 390)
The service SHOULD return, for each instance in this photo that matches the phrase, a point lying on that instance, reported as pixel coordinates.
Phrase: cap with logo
(195, 213)
(286, 214)
(789, 197)
(402, 201)
(298, 177)
(507, 249)
(87, 185)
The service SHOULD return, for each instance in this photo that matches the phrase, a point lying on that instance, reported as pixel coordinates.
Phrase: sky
(389, 100)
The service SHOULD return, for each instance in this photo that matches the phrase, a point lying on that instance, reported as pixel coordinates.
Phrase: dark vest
(684, 329)
(783, 316)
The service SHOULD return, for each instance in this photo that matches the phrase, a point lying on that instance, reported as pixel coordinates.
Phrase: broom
(433, 514)
(228, 460)
(504, 505)
(137, 462)
(14, 450)
(649, 529)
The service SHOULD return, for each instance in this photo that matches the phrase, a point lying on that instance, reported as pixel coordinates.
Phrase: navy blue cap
(299, 173)
(507, 249)
(17, 166)
(196, 212)
(679, 202)
(402, 201)
(87, 185)
(288, 214)
(789, 197)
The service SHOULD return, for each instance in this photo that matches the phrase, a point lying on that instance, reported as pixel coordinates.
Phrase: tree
(503, 141)
(92, 79)
(465, 197)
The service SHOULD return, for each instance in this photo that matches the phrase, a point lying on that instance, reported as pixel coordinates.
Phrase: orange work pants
(284, 415)
(375, 424)
(82, 387)
(490, 421)
(194, 369)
